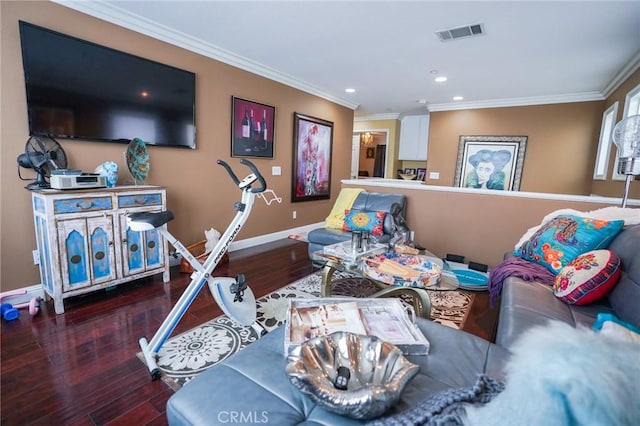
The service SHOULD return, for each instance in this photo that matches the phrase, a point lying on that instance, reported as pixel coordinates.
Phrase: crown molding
(622, 76)
(109, 12)
(374, 117)
(513, 102)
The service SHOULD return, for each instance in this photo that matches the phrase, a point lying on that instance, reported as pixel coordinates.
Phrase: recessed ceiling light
(458, 98)
(440, 79)
(350, 90)
(422, 101)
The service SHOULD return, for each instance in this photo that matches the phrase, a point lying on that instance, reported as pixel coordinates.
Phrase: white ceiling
(533, 52)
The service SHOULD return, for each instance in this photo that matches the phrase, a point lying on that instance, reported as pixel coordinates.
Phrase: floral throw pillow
(562, 239)
(588, 277)
(361, 221)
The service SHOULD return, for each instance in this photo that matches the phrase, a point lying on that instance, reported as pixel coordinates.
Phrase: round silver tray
(379, 373)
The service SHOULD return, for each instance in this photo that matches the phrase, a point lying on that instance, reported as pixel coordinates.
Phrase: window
(631, 107)
(604, 146)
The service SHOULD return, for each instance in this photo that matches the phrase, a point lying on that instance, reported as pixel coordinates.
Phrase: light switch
(434, 175)
(276, 171)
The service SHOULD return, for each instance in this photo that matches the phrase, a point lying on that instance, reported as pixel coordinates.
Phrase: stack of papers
(386, 318)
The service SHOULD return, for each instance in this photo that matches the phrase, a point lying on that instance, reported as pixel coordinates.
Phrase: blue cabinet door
(153, 249)
(74, 254)
(141, 251)
(102, 251)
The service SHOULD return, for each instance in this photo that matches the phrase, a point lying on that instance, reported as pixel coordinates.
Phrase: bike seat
(145, 221)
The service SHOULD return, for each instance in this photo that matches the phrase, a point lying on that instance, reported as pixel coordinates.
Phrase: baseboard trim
(268, 238)
(29, 293)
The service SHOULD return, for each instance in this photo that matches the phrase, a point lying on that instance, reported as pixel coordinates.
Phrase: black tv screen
(80, 90)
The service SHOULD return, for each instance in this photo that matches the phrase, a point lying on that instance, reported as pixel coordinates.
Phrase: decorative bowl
(404, 270)
(407, 176)
(378, 373)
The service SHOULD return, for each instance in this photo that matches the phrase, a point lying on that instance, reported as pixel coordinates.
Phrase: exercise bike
(233, 295)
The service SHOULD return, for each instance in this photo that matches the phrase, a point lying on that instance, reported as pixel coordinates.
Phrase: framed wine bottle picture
(252, 128)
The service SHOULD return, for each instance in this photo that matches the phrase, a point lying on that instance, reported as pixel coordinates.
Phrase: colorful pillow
(361, 221)
(588, 277)
(562, 239)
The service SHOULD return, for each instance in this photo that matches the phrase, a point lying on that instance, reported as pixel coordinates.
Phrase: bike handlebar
(254, 170)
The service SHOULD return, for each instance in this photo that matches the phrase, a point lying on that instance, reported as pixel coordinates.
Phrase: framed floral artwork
(312, 143)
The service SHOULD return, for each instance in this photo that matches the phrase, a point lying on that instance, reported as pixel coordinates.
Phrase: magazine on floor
(385, 318)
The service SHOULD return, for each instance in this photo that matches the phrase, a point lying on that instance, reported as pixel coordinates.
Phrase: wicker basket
(197, 250)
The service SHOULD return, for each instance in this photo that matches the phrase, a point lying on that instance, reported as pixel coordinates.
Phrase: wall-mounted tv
(81, 90)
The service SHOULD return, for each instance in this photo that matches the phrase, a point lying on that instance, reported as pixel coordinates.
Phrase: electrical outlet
(36, 257)
(276, 171)
(295, 214)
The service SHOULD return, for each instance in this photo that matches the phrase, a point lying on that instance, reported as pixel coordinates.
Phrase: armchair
(394, 205)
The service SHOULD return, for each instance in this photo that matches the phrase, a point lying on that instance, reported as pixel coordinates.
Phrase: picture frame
(490, 162)
(371, 153)
(312, 145)
(252, 128)
(409, 171)
(421, 174)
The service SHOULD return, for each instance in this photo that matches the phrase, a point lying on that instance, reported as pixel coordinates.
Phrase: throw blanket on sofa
(345, 200)
(520, 268)
(446, 408)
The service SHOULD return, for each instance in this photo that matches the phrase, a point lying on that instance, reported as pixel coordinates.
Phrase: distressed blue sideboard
(84, 243)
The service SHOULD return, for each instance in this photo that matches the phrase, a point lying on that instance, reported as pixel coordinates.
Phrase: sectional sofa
(251, 386)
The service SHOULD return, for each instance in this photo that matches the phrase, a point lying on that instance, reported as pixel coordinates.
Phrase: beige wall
(478, 225)
(561, 144)
(199, 192)
(609, 186)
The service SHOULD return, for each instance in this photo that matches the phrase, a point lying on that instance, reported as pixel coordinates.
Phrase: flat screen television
(81, 90)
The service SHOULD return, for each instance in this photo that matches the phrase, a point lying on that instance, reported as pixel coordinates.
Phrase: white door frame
(355, 150)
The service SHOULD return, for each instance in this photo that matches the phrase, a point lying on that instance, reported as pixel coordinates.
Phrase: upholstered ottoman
(252, 387)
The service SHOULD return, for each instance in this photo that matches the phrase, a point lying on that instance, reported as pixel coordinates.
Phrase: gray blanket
(446, 408)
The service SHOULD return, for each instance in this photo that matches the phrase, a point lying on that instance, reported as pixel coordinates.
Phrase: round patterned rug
(186, 355)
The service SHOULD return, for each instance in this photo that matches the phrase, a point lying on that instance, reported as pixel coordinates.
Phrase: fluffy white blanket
(629, 215)
(560, 375)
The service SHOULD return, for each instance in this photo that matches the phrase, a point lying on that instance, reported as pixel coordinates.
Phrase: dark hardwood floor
(81, 368)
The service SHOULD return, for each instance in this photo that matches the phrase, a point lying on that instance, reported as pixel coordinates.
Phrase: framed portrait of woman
(490, 162)
(312, 143)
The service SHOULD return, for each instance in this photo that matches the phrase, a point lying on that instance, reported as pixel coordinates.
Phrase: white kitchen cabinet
(84, 243)
(414, 138)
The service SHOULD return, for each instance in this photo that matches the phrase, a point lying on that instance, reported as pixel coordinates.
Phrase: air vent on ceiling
(460, 32)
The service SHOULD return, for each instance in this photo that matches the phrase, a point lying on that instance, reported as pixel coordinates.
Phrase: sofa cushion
(381, 202)
(361, 221)
(625, 295)
(566, 237)
(588, 277)
(526, 304)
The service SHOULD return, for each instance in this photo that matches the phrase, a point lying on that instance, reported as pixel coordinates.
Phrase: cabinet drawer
(81, 205)
(139, 200)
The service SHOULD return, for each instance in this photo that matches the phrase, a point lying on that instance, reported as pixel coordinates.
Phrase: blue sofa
(365, 201)
(253, 387)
